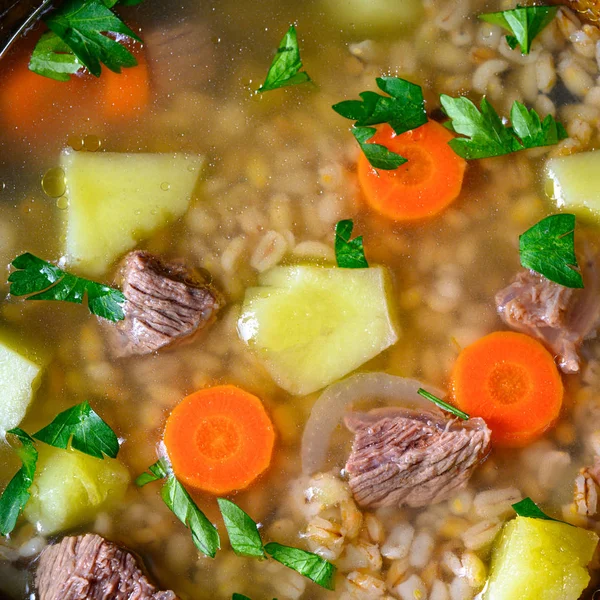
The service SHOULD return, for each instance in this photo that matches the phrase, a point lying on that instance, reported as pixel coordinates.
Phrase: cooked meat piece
(404, 457)
(88, 567)
(166, 303)
(558, 316)
(587, 485)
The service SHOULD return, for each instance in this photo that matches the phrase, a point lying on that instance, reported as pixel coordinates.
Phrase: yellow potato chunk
(116, 200)
(70, 488)
(574, 183)
(17, 378)
(313, 325)
(536, 559)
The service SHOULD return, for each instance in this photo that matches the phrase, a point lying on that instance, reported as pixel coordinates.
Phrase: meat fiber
(165, 303)
(559, 317)
(404, 457)
(88, 567)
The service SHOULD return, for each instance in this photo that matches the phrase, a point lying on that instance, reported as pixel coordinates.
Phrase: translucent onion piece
(332, 404)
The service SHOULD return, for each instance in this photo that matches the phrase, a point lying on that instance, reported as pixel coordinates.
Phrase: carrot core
(508, 383)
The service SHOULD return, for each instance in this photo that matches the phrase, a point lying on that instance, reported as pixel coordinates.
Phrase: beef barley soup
(302, 303)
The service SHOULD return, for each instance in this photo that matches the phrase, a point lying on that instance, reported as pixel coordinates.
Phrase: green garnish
(204, 533)
(16, 494)
(442, 404)
(242, 530)
(523, 22)
(349, 254)
(549, 249)
(80, 426)
(403, 110)
(180, 503)
(317, 569)
(41, 280)
(52, 58)
(378, 155)
(81, 26)
(239, 597)
(285, 68)
(488, 136)
(528, 508)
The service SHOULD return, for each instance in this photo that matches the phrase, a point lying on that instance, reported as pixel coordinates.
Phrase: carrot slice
(423, 186)
(510, 380)
(219, 439)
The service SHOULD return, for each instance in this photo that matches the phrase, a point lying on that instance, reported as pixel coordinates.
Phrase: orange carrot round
(219, 439)
(510, 380)
(423, 186)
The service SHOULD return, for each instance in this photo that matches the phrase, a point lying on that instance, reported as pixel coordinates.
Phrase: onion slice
(332, 404)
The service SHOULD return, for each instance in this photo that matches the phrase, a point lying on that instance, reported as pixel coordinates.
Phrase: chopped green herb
(442, 404)
(16, 494)
(242, 530)
(349, 254)
(487, 135)
(239, 597)
(528, 508)
(41, 280)
(84, 429)
(549, 249)
(523, 22)
(317, 569)
(52, 58)
(285, 68)
(378, 155)
(82, 25)
(404, 109)
(159, 470)
(204, 533)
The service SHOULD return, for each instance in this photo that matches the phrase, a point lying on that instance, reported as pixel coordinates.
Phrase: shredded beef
(88, 567)
(165, 303)
(558, 316)
(404, 457)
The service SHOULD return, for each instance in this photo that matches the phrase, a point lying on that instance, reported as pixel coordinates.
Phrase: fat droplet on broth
(92, 143)
(62, 203)
(54, 183)
(76, 142)
(165, 186)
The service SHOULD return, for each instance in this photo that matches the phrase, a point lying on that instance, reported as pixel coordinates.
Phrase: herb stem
(442, 404)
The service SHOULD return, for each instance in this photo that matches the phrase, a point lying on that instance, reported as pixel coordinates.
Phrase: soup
(239, 195)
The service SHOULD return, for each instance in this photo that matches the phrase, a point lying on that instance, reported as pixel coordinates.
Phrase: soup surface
(279, 172)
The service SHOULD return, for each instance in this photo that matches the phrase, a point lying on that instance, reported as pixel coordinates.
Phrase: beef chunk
(88, 567)
(560, 317)
(405, 457)
(166, 303)
(587, 487)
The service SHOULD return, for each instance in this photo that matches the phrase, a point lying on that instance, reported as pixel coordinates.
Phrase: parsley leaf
(523, 22)
(242, 530)
(53, 58)
(239, 597)
(349, 254)
(487, 135)
(378, 155)
(317, 569)
(16, 494)
(84, 429)
(404, 109)
(82, 24)
(442, 404)
(159, 470)
(204, 533)
(528, 508)
(549, 249)
(285, 68)
(41, 280)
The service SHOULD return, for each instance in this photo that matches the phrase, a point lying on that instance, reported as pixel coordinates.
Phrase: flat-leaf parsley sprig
(285, 68)
(41, 280)
(524, 23)
(487, 135)
(77, 38)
